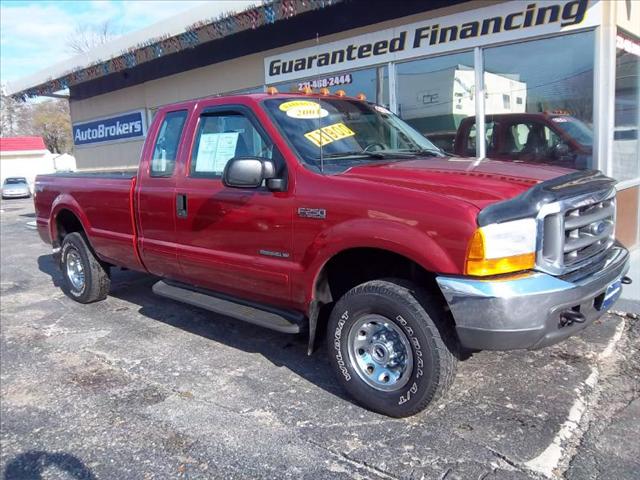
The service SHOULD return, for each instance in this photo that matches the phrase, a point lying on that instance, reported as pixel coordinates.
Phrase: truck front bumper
(529, 310)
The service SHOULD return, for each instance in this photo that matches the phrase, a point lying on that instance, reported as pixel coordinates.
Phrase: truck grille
(576, 232)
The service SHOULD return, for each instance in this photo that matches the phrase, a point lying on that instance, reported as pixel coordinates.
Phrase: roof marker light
(272, 90)
(307, 90)
(324, 91)
(361, 96)
(341, 93)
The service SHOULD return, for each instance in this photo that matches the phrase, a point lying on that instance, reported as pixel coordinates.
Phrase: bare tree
(13, 116)
(85, 37)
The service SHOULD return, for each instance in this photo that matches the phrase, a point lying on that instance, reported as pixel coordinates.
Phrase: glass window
(434, 95)
(626, 145)
(333, 134)
(540, 96)
(15, 181)
(470, 141)
(222, 137)
(373, 82)
(163, 161)
(531, 141)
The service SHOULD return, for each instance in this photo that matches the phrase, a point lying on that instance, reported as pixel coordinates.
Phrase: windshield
(575, 129)
(15, 181)
(334, 134)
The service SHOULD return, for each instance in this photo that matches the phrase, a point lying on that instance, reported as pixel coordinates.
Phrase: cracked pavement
(140, 387)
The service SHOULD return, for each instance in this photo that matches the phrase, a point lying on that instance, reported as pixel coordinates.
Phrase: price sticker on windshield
(303, 110)
(330, 133)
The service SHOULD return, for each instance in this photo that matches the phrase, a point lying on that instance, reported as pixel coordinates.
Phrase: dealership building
(432, 63)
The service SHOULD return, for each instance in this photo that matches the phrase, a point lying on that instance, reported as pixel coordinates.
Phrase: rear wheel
(86, 280)
(392, 347)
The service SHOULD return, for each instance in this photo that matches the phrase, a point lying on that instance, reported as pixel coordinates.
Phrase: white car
(15, 187)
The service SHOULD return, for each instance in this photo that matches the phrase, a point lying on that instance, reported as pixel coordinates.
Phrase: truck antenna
(319, 111)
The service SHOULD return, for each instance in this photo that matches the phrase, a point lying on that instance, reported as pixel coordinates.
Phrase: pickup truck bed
(102, 202)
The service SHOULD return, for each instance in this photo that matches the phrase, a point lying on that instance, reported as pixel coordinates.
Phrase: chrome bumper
(16, 194)
(525, 311)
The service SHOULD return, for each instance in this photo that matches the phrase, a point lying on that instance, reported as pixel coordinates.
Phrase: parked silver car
(15, 187)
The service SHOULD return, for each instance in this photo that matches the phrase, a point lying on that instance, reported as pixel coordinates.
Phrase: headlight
(502, 248)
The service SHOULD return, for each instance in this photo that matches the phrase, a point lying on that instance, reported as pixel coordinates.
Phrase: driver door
(231, 240)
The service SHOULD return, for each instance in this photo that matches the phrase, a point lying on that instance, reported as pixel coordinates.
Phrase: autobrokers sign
(480, 27)
(126, 126)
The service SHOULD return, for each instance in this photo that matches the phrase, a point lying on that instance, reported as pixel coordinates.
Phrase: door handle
(181, 205)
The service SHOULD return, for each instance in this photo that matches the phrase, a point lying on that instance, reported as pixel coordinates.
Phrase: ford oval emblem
(598, 228)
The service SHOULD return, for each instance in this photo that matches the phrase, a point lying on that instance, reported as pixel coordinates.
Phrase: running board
(279, 320)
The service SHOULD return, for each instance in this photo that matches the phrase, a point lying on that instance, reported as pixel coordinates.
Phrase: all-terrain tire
(97, 281)
(420, 317)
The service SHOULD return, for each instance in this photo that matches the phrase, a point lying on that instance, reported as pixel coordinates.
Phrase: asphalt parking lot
(142, 387)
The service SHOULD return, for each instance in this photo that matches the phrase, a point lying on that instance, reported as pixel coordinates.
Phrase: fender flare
(400, 239)
(64, 201)
(394, 237)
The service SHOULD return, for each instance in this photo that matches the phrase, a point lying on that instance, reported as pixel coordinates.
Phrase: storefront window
(434, 95)
(539, 100)
(373, 82)
(626, 148)
(259, 89)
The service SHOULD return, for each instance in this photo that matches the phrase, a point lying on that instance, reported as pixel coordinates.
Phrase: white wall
(25, 165)
(425, 94)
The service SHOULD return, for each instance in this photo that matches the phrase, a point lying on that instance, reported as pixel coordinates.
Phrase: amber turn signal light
(477, 264)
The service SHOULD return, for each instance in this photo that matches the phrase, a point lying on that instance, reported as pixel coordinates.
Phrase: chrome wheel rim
(75, 270)
(380, 353)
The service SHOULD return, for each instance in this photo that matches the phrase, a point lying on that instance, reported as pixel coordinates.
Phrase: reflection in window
(626, 145)
(434, 95)
(165, 151)
(470, 139)
(546, 87)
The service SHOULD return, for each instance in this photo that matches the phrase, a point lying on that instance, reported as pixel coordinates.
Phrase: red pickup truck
(323, 213)
(550, 138)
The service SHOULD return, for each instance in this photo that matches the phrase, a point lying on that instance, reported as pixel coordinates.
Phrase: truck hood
(483, 184)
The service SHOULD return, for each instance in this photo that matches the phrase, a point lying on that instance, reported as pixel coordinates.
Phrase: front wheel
(86, 279)
(391, 346)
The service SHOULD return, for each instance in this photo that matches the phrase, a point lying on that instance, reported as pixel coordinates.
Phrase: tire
(76, 257)
(392, 347)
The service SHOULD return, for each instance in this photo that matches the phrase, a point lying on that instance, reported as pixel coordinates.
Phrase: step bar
(284, 321)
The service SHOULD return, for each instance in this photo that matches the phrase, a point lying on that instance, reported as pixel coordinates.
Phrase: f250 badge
(318, 213)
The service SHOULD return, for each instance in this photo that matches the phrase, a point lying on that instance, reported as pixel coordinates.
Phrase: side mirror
(250, 172)
(561, 151)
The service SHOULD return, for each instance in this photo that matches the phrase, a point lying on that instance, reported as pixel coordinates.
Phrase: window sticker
(329, 134)
(303, 109)
(215, 150)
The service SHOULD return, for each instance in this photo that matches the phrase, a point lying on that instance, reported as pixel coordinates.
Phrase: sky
(33, 34)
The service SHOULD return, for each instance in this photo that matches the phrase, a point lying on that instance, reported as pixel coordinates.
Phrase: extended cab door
(156, 204)
(236, 241)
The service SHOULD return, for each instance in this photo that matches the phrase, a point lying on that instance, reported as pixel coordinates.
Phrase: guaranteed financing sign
(126, 126)
(497, 23)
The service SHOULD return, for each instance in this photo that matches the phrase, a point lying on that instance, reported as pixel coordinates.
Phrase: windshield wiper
(354, 153)
(425, 151)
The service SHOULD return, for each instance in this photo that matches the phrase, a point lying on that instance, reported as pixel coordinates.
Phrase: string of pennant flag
(194, 35)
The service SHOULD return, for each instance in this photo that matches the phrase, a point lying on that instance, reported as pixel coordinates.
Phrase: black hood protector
(528, 204)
